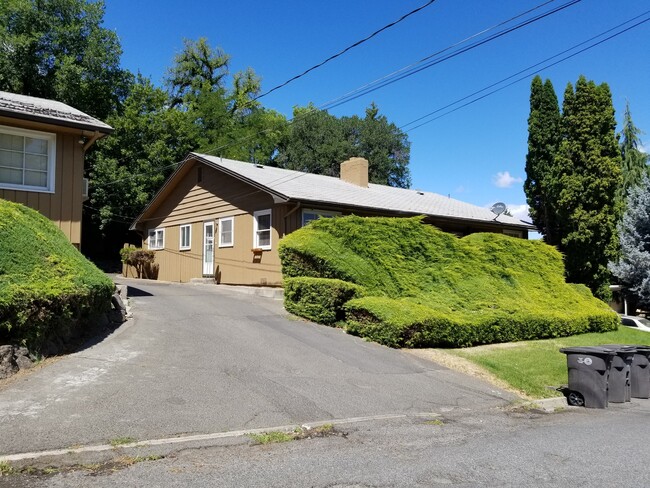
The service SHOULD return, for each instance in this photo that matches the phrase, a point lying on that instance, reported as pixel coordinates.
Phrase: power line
(463, 41)
(527, 76)
(435, 58)
(340, 53)
(412, 69)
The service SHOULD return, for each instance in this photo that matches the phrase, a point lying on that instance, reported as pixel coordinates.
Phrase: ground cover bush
(47, 287)
(423, 287)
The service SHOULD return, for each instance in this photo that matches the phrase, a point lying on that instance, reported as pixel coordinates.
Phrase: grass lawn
(533, 366)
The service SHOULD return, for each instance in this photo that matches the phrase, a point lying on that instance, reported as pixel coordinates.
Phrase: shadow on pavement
(137, 292)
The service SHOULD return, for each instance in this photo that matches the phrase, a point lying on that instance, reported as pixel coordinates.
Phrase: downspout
(284, 230)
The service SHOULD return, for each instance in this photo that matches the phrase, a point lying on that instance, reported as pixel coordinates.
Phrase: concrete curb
(548, 405)
(205, 437)
(260, 291)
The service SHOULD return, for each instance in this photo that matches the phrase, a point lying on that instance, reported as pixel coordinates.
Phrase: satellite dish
(498, 208)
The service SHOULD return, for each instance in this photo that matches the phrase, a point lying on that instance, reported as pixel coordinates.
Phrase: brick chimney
(355, 171)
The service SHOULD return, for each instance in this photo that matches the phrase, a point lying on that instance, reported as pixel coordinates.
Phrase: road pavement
(480, 448)
(199, 359)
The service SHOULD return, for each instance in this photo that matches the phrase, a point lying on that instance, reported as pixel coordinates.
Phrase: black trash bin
(620, 385)
(589, 368)
(640, 373)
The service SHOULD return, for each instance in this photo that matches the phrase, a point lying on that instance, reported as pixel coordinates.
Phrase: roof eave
(104, 129)
(409, 212)
(276, 195)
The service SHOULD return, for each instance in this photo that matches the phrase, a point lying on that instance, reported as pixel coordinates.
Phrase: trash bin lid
(621, 347)
(600, 350)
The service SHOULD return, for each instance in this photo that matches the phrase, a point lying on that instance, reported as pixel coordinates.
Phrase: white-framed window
(309, 214)
(156, 239)
(262, 229)
(185, 238)
(513, 233)
(227, 232)
(27, 159)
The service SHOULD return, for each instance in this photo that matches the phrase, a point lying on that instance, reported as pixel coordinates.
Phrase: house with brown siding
(223, 219)
(42, 147)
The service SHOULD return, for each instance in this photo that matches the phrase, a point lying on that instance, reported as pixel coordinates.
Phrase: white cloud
(519, 211)
(503, 179)
(643, 148)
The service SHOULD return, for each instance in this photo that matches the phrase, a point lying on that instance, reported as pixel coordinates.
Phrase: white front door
(208, 248)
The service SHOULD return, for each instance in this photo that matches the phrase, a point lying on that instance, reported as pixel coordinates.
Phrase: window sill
(226, 246)
(26, 189)
(185, 249)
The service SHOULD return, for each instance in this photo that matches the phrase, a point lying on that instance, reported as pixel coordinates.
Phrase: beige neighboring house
(221, 218)
(42, 146)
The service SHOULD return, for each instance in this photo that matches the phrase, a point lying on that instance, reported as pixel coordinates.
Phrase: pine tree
(543, 141)
(634, 161)
(585, 180)
(633, 267)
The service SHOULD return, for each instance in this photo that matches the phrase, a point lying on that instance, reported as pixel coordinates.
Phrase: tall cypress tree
(586, 177)
(634, 161)
(543, 142)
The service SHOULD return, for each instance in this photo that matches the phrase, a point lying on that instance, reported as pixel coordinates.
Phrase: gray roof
(48, 111)
(319, 189)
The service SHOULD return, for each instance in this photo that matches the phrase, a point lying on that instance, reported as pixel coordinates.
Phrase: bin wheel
(576, 399)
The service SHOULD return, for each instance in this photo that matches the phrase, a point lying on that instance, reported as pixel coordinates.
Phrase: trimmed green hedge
(400, 323)
(319, 299)
(423, 287)
(48, 289)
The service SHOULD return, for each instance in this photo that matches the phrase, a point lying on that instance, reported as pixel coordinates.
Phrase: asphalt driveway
(204, 359)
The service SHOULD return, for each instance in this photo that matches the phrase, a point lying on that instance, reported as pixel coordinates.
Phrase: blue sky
(476, 154)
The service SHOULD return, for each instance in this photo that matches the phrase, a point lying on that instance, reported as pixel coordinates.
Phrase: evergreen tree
(585, 179)
(543, 141)
(634, 161)
(633, 266)
(129, 167)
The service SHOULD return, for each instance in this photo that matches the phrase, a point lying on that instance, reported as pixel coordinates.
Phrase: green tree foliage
(635, 163)
(229, 121)
(130, 166)
(318, 142)
(633, 266)
(543, 141)
(58, 49)
(585, 179)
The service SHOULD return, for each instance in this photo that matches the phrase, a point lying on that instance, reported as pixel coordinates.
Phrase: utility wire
(341, 100)
(527, 76)
(340, 53)
(435, 58)
(413, 67)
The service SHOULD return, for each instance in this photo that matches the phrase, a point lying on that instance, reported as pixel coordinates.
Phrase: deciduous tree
(58, 49)
(318, 142)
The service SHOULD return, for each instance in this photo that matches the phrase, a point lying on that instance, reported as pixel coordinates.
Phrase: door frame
(208, 267)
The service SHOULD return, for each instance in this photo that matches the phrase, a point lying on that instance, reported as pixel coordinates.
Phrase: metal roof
(48, 111)
(319, 189)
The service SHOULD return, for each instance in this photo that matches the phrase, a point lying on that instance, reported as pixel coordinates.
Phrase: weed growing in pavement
(271, 437)
(435, 422)
(6, 468)
(298, 433)
(120, 441)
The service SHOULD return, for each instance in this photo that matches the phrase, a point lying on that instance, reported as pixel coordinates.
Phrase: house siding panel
(64, 206)
(195, 203)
